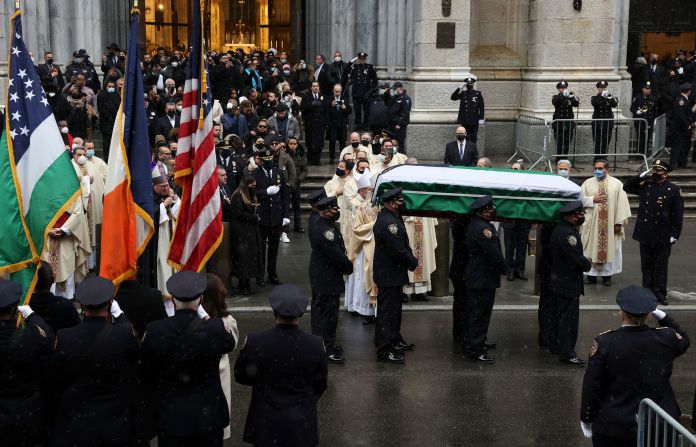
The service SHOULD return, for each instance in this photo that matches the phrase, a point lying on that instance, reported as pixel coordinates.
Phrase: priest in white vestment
(167, 211)
(92, 185)
(336, 187)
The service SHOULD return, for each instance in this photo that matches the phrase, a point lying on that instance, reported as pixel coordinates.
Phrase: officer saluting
(486, 264)
(563, 131)
(658, 225)
(566, 286)
(471, 107)
(180, 359)
(603, 103)
(327, 265)
(627, 365)
(283, 407)
(393, 258)
(23, 419)
(363, 77)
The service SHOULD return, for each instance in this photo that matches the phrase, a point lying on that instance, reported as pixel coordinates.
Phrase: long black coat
(283, 408)
(245, 238)
(486, 261)
(314, 115)
(569, 261)
(660, 213)
(328, 261)
(393, 255)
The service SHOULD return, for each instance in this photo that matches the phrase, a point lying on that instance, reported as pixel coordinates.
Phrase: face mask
(81, 160)
(110, 89)
(401, 207)
(303, 66)
(64, 130)
(49, 61)
(90, 153)
(337, 59)
(178, 108)
(283, 60)
(76, 96)
(394, 93)
(175, 64)
(335, 216)
(77, 60)
(461, 137)
(469, 87)
(680, 70)
(653, 61)
(657, 177)
(51, 94)
(382, 158)
(340, 172)
(563, 173)
(355, 144)
(229, 106)
(364, 142)
(580, 220)
(286, 72)
(599, 173)
(381, 91)
(268, 164)
(350, 165)
(170, 112)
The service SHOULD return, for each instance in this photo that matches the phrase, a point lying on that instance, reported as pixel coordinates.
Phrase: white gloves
(659, 314)
(25, 311)
(586, 429)
(115, 309)
(644, 174)
(202, 314)
(462, 86)
(286, 221)
(272, 190)
(481, 122)
(353, 60)
(672, 240)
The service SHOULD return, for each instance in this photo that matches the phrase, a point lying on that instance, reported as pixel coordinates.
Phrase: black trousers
(388, 321)
(325, 322)
(479, 307)
(213, 439)
(459, 312)
(608, 441)
(601, 135)
(679, 154)
(546, 316)
(270, 238)
(654, 265)
(296, 210)
(563, 133)
(400, 135)
(566, 328)
(361, 106)
(336, 133)
(516, 236)
(643, 135)
(471, 131)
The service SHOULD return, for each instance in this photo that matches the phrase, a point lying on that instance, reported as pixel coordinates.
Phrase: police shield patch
(594, 348)
(329, 235)
(393, 229)
(572, 240)
(488, 233)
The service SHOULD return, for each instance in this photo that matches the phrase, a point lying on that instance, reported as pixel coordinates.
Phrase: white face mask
(680, 70)
(175, 64)
(229, 106)
(51, 94)
(337, 58)
(64, 130)
(110, 89)
(81, 160)
(382, 158)
(563, 173)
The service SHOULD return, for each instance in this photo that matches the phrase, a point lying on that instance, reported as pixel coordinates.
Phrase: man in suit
(49, 73)
(283, 407)
(57, 312)
(315, 110)
(627, 365)
(140, 303)
(169, 121)
(225, 194)
(180, 359)
(461, 152)
(323, 75)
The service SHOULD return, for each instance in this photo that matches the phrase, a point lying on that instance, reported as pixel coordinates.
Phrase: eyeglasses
(262, 127)
(274, 143)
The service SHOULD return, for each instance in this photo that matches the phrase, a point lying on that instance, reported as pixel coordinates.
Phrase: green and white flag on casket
(449, 190)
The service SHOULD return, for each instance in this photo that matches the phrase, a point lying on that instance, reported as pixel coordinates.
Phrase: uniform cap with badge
(573, 207)
(397, 84)
(685, 87)
(327, 203)
(187, 285)
(288, 300)
(636, 300)
(95, 291)
(391, 195)
(647, 84)
(562, 84)
(470, 80)
(315, 196)
(362, 55)
(10, 293)
(602, 84)
(661, 165)
(481, 203)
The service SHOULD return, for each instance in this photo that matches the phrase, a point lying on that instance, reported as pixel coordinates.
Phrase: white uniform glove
(272, 190)
(644, 174)
(25, 311)
(286, 221)
(586, 429)
(202, 314)
(354, 59)
(115, 309)
(672, 240)
(481, 122)
(659, 314)
(462, 86)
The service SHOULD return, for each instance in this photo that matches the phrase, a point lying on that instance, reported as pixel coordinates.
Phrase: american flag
(199, 226)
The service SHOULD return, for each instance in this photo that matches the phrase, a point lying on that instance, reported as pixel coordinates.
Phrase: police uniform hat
(602, 84)
(681, 52)
(95, 291)
(10, 293)
(481, 202)
(362, 55)
(636, 300)
(685, 86)
(288, 300)
(315, 196)
(562, 84)
(571, 207)
(391, 195)
(470, 80)
(264, 152)
(327, 203)
(661, 164)
(384, 85)
(647, 84)
(397, 84)
(187, 285)
(388, 133)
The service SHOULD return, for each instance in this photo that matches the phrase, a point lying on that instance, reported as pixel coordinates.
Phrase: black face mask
(349, 165)
(656, 177)
(461, 137)
(580, 220)
(225, 152)
(376, 149)
(340, 172)
(171, 113)
(364, 142)
(401, 208)
(336, 216)
(355, 144)
(49, 61)
(252, 189)
(469, 87)
(268, 164)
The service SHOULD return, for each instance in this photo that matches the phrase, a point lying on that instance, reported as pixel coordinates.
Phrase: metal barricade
(612, 138)
(531, 140)
(659, 138)
(656, 428)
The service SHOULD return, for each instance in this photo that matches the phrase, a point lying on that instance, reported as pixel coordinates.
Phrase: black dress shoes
(510, 277)
(419, 297)
(483, 358)
(390, 357)
(260, 283)
(299, 230)
(335, 358)
(575, 361)
(368, 321)
(405, 346)
(274, 280)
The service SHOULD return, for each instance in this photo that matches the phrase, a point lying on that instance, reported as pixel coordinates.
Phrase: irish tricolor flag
(128, 202)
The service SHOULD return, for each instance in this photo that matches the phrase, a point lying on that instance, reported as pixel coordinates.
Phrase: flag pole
(17, 5)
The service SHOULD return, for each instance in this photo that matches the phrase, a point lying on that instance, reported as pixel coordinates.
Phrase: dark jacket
(225, 202)
(660, 213)
(283, 407)
(57, 312)
(107, 106)
(325, 80)
(486, 261)
(245, 239)
(140, 303)
(44, 72)
(393, 256)
(272, 208)
(183, 367)
(452, 154)
(471, 107)
(328, 261)
(682, 116)
(400, 110)
(163, 126)
(625, 366)
(569, 261)
(603, 106)
(564, 107)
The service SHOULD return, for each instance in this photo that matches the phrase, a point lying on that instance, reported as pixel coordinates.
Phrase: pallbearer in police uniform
(563, 103)
(327, 265)
(603, 103)
(644, 106)
(627, 365)
(471, 107)
(566, 285)
(658, 225)
(393, 259)
(486, 264)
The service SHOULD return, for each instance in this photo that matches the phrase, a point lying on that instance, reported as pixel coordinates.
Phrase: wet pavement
(439, 398)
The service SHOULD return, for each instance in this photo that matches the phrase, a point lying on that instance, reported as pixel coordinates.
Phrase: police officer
(274, 211)
(563, 131)
(95, 362)
(627, 365)
(327, 265)
(57, 312)
(603, 103)
(232, 161)
(399, 114)
(471, 107)
(566, 284)
(363, 78)
(658, 225)
(313, 198)
(486, 264)
(24, 418)
(180, 359)
(379, 99)
(682, 122)
(283, 407)
(644, 106)
(392, 259)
